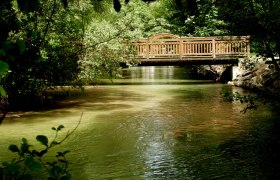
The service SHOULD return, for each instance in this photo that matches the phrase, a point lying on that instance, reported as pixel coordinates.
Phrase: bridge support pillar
(235, 71)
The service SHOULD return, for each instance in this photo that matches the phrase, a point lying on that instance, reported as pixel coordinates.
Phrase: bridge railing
(168, 46)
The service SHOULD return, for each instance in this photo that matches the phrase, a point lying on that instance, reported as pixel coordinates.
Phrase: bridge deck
(168, 48)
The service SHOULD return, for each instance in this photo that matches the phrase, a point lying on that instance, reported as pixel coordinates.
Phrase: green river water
(156, 123)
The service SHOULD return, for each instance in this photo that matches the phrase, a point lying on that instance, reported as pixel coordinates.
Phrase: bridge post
(213, 48)
(181, 48)
(147, 49)
(248, 45)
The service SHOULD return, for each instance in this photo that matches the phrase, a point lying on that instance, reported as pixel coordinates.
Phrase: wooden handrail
(171, 46)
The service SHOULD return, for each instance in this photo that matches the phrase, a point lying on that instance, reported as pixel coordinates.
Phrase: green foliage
(140, 19)
(30, 160)
(244, 17)
(192, 18)
(206, 23)
(106, 39)
(60, 42)
(38, 47)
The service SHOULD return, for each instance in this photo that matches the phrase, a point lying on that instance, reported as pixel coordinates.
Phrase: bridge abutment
(235, 72)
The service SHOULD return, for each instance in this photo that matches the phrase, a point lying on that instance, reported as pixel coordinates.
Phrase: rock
(238, 83)
(257, 74)
(246, 73)
(230, 83)
(248, 77)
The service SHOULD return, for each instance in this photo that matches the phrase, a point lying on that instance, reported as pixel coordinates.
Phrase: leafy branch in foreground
(30, 160)
(251, 101)
(269, 97)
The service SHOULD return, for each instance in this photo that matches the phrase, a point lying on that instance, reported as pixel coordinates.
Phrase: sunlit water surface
(155, 123)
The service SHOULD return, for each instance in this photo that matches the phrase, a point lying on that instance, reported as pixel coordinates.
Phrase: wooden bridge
(169, 49)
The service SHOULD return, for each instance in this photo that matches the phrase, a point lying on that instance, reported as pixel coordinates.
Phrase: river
(156, 123)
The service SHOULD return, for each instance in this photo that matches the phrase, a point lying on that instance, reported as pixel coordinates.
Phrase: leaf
(21, 45)
(53, 128)
(13, 148)
(66, 152)
(24, 140)
(24, 146)
(60, 127)
(43, 139)
(33, 164)
(42, 153)
(4, 67)
(59, 154)
(62, 160)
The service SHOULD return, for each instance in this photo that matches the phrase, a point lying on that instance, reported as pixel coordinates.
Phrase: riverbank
(257, 74)
(253, 73)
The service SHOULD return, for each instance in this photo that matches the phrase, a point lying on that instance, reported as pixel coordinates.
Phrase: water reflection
(156, 75)
(149, 72)
(155, 138)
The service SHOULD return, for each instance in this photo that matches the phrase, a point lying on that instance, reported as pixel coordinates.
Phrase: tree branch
(49, 19)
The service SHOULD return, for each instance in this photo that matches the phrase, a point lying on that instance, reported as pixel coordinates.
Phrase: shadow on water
(256, 153)
(94, 99)
(252, 155)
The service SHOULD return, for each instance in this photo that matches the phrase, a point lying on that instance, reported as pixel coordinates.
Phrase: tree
(258, 18)
(41, 44)
(192, 17)
(106, 41)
